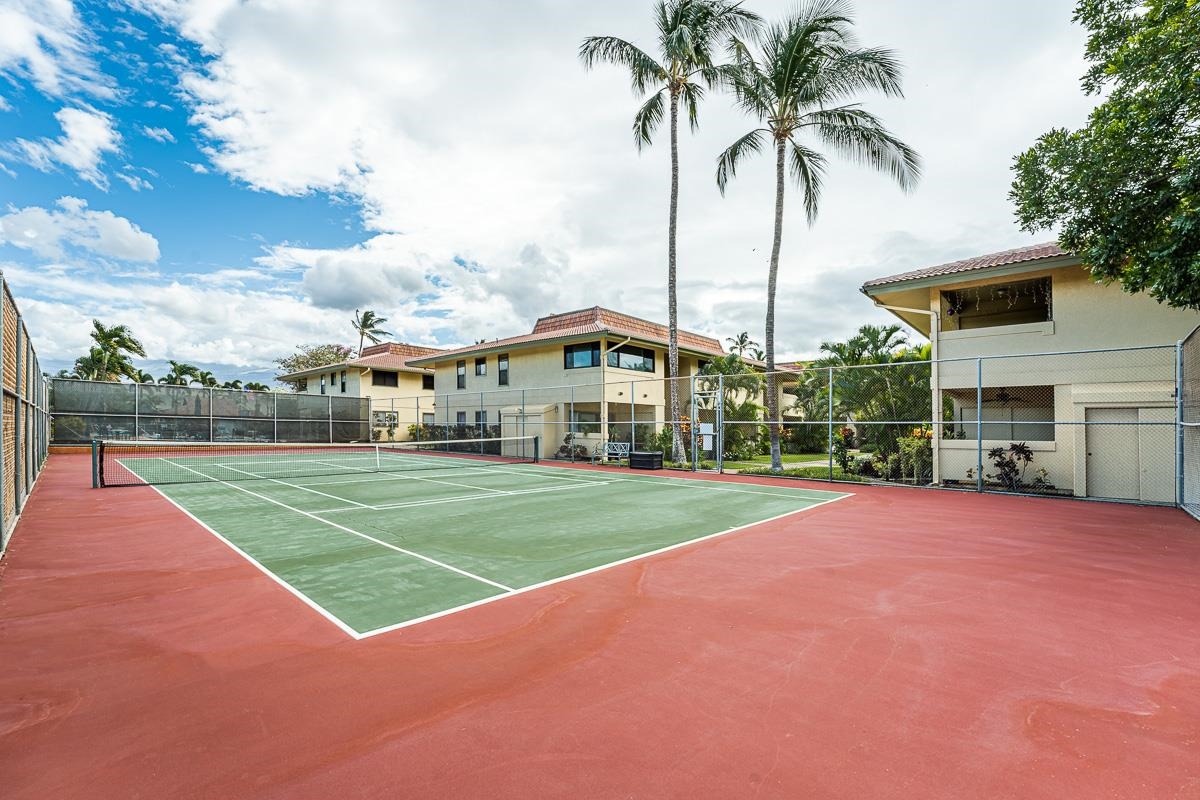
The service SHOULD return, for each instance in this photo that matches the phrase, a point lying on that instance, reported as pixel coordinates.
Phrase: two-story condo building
(382, 372)
(1099, 423)
(594, 374)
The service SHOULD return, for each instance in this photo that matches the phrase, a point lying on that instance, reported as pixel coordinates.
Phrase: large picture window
(385, 419)
(383, 377)
(630, 357)
(997, 304)
(579, 356)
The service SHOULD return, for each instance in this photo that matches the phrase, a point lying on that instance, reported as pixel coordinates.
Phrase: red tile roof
(590, 321)
(385, 355)
(1035, 252)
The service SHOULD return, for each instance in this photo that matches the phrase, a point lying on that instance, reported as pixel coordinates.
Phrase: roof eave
(1036, 265)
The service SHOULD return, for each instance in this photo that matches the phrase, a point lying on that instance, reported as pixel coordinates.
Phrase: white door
(1112, 453)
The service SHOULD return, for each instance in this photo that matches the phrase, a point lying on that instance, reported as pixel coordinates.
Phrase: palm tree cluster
(799, 78)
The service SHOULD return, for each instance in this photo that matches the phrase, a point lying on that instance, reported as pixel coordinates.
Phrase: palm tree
(758, 354)
(803, 82)
(689, 34)
(204, 378)
(180, 374)
(741, 343)
(109, 359)
(369, 326)
(233, 384)
(141, 376)
(254, 386)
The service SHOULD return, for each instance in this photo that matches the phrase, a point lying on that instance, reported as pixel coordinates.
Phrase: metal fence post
(829, 414)
(979, 424)
(481, 423)
(632, 416)
(275, 417)
(719, 439)
(1179, 439)
(329, 400)
(17, 421)
(571, 422)
(419, 422)
(522, 413)
(210, 415)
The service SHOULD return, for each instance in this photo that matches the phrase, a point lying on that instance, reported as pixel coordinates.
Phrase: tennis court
(378, 537)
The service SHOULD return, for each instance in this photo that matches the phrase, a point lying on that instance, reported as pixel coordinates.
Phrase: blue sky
(232, 179)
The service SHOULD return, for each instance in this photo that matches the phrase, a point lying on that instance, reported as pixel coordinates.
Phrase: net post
(979, 424)
(537, 448)
(830, 415)
(95, 463)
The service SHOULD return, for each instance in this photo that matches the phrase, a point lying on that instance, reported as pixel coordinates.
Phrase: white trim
(1043, 328)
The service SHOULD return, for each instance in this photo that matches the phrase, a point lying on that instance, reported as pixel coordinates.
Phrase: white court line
(369, 538)
(689, 483)
(462, 499)
(292, 485)
(430, 480)
(589, 571)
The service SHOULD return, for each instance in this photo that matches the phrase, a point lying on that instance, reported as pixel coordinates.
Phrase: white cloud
(135, 182)
(46, 42)
(88, 135)
(47, 233)
(199, 169)
(158, 134)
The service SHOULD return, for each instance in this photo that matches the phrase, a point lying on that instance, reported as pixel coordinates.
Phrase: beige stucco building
(593, 374)
(382, 372)
(1099, 423)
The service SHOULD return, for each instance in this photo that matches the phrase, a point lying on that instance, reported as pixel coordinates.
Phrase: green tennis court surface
(374, 551)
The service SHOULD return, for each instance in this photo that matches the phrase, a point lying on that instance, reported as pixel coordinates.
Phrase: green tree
(141, 376)
(179, 374)
(311, 356)
(691, 33)
(369, 325)
(801, 86)
(741, 343)
(233, 384)
(205, 378)
(741, 390)
(255, 386)
(1124, 190)
(110, 358)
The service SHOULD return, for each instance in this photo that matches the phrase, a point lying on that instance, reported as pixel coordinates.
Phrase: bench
(606, 450)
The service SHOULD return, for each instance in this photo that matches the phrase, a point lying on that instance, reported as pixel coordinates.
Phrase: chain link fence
(1118, 424)
(24, 421)
(1188, 466)
(88, 410)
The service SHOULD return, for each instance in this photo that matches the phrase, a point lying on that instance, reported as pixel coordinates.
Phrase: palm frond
(647, 119)
(807, 168)
(728, 161)
(861, 70)
(860, 136)
(691, 94)
(644, 71)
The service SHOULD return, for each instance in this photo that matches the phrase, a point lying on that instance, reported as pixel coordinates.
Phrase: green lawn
(788, 458)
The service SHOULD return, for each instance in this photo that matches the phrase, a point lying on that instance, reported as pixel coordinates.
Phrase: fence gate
(1189, 424)
(706, 447)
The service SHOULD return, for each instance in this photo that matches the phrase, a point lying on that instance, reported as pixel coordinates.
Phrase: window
(502, 369)
(462, 418)
(302, 385)
(461, 368)
(322, 383)
(383, 377)
(385, 419)
(427, 382)
(585, 422)
(1013, 303)
(629, 357)
(578, 356)
(481, 366)
(427, 419)
(481, 419)
(343, 381)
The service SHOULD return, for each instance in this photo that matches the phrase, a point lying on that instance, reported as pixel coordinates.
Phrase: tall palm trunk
(772, 397)
(677, 452)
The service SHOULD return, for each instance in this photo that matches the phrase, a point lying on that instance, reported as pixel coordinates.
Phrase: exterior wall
(401, 399)
(538, 380)
(1084, 316)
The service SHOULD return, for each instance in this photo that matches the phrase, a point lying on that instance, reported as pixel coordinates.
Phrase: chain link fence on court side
(1189, 424)
(24, 423)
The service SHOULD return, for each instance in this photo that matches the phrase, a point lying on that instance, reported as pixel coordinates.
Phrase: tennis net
(137, 463)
